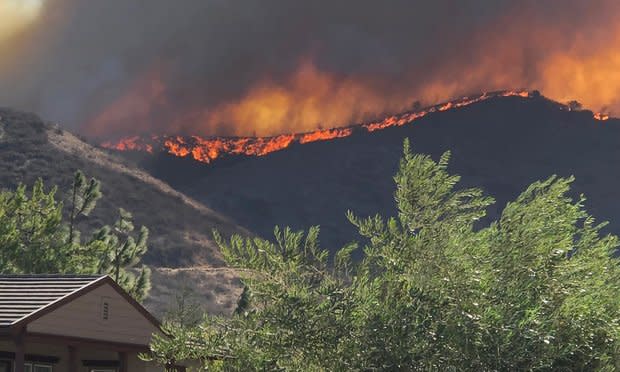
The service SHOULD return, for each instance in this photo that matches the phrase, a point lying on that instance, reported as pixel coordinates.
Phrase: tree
(574, 106)
(122, 252)
(84, 197)
(439, 288)
(31, 234)
(35, 238)
(186, 311)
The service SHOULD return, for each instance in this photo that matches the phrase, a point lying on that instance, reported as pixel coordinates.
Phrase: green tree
(36, 238)
(122, 253)
(31, 234)
(437, 289)
(84, 197)
(186, 310)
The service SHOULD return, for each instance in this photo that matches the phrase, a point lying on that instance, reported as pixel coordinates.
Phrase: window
(101, 365)
(5, 366)
(36, 367)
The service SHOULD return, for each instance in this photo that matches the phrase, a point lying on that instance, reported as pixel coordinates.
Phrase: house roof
(25, 298)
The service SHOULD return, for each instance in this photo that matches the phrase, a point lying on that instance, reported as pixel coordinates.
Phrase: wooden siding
(83, 318)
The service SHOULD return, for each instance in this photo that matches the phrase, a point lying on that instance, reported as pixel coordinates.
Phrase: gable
(23, 295)
(100, 314)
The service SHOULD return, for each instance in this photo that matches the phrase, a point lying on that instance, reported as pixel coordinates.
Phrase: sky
(114, 68)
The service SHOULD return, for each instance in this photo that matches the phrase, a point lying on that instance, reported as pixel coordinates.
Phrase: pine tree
(122, 253)
(84, 197)
(36, 239)
(33, 231)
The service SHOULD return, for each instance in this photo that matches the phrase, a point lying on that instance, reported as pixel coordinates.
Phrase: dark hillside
(501, 145)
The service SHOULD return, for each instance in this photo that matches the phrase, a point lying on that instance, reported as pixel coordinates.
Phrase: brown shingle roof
(22, 296)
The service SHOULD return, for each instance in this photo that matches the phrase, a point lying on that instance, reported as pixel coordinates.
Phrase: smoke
(17, 15)
(116, 67)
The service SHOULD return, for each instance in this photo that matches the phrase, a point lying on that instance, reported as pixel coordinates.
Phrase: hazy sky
(117, 67)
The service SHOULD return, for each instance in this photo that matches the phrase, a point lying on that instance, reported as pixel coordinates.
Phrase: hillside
(502, 145)
(180, 227)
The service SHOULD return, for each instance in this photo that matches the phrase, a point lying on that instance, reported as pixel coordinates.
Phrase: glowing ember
(600, 116)
(208, 149)
(134, 143)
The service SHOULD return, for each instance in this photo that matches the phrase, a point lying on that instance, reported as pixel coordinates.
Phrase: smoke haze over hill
(114, 68)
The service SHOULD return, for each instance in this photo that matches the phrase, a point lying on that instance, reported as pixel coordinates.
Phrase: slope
(502, 144)
(180, 227)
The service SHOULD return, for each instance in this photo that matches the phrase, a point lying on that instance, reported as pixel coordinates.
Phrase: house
(72, 323)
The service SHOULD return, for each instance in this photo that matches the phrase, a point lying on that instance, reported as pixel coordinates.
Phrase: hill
(180, 226)
(502, 145)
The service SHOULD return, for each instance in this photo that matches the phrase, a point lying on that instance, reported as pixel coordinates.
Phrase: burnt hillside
(501, 145)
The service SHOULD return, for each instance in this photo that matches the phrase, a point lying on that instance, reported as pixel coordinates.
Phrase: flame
(324, 135)
(600, 116)
(206, 150)
(398, 120)
(107, 84)
(134, 143)
(310, 99)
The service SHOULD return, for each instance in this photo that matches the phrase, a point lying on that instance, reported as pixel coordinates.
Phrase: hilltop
(501, 144)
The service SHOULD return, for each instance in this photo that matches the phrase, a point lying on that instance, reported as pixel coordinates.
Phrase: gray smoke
(82, 55)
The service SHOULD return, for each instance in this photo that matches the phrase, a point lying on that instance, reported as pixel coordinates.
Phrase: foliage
(84, 197)
(123, 252)
(35, 238)
(186, 310)
(437, 289)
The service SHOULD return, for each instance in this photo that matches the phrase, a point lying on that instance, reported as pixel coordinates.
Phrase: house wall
(62, 352)
(83, 318)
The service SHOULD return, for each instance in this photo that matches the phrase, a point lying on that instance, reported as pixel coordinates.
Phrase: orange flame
(600, 116)
(134, 143)
(323, 135)
(310, 99)
(403, 119)
(206, 150)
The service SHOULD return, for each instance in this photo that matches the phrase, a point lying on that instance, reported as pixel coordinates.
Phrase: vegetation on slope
(36, 239)
(178, 238)
(501, 145)
(437, 289)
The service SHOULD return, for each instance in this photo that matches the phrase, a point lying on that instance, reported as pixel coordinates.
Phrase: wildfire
(323, 135)
(600, 116)
(406, 118)
(208, 149)
(134, 143)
